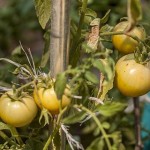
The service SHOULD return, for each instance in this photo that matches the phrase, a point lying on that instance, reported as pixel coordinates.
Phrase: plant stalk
(138, 145)
(74, 53)
(97, 121)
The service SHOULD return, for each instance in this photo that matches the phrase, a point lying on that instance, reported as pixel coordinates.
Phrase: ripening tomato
(132, 78)
(47, 98)
(17, 113)
(124, 43)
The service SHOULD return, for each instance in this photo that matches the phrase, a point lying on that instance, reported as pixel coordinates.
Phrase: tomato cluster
(132, 78)
(20, 111)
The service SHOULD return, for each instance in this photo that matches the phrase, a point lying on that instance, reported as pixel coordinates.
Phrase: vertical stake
(59, 41)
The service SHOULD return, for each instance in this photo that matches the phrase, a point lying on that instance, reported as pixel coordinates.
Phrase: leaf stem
(5, 137)
(25, 85)
(15, 133)
(48, 142)
(97, 121)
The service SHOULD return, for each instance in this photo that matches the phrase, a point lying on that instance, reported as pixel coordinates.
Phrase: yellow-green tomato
(17, 113)
(132, 78)
(47, 98)
(124, 43)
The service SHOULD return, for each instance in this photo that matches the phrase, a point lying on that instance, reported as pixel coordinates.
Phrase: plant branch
(97, 121)
(5, 137)
(138, 145)
(15, 133)
(48, 142)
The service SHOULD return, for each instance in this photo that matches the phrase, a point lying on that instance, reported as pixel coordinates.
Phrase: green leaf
(91, 77)
(33, 144)
(106, 28)
(74, 118)
(121, 147)
(4, 126)
(46, 50)
(90, 12)
(97, 63)
(43, 9)
(89, 15)
(105, 18)
(108, 81)
(114, 108)
(97, 144)
(106, 125)
(134, 11)
(60, 85)
(128, 133)
(57, 141)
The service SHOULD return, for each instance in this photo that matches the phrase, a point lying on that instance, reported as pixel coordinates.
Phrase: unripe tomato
(47, 98)
(17, 113)
(132, 78)
(124, 43)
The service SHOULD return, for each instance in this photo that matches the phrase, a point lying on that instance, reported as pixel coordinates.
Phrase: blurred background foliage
(19, 23)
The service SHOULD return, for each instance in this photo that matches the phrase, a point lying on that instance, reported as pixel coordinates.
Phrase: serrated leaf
(114, 108)
(97, 144)
(60, 85)
(43, 9)
(105, 18)
(134, 11)
(46, 50)
(91, 77)
(74, 118)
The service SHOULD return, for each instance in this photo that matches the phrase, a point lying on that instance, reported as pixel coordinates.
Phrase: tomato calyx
(45, 82)
(45, 114)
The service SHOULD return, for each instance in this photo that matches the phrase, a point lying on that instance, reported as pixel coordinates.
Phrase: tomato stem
(24, 86)
(16, 134)
(97, 121)
(5, 137)
(138, 145)
(57, 127)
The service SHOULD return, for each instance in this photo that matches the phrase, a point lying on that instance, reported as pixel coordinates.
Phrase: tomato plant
(17, 112)
(47, 98)
(76, 88)
(132, 78)
(124, 43)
